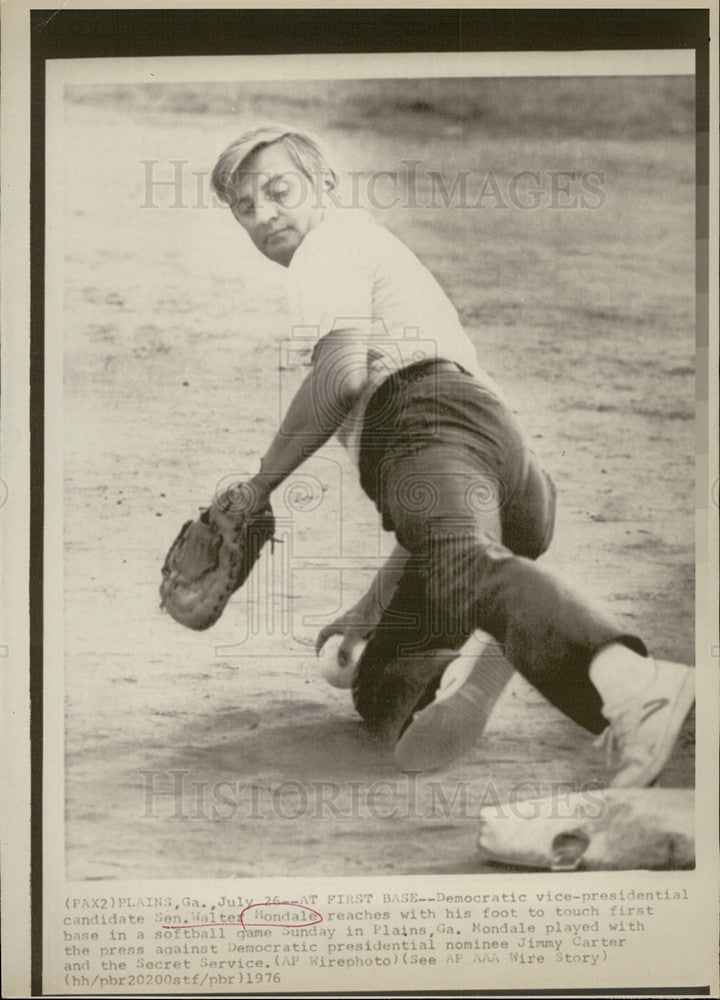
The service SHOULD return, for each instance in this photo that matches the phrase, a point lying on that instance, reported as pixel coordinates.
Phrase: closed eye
(280, 191)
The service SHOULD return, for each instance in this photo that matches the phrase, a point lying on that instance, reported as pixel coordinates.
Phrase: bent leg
(471, 580)
(547, 631)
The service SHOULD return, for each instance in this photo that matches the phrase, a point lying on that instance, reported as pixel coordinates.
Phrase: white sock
(619, 675)
(492, 673)
(496, 672)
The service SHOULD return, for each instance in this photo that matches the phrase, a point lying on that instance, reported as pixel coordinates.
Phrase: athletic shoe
(454, 721)
(641, 737)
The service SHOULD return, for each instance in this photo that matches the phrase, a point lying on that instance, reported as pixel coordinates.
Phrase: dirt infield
(225, 753)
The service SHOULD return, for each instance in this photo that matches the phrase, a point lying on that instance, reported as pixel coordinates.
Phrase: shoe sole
(448, 727)
(682, 703)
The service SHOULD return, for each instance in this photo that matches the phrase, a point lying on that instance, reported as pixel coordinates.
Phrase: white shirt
(351, 273)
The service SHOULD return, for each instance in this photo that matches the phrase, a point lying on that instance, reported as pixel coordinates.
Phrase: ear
(567, 850)
(330, 180)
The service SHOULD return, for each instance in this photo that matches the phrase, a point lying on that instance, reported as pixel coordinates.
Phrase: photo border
(133, 32)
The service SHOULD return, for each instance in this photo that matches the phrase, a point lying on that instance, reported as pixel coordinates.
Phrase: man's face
(276, 203)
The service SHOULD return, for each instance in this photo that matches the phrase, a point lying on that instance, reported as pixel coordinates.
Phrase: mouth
(272, 236)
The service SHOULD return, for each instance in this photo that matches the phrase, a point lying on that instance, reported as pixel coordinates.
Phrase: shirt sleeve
(331, 284)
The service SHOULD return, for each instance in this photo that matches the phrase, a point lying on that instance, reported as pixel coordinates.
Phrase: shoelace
(609, 744)
(612, 739)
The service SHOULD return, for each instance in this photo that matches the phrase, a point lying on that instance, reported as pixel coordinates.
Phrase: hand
(354, 626)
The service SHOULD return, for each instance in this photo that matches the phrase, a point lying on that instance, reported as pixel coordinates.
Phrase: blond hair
(305, 150)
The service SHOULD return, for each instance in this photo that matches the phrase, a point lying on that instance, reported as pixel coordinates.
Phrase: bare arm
(358, 623)
(322, 402)
(385, 583)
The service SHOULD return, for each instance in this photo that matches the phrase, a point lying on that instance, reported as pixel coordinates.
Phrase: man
(451, 474)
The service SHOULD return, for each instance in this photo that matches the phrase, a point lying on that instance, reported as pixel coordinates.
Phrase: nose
(265, 210)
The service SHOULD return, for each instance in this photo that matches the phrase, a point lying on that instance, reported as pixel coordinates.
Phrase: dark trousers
(450, 471)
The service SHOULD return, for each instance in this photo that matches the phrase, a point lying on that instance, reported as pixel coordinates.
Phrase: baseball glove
(212, 557)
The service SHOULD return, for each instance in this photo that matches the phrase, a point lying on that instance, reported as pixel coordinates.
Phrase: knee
(528, 528)
(387, 693)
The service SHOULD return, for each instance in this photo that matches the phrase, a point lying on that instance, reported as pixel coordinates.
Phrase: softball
(335, 674)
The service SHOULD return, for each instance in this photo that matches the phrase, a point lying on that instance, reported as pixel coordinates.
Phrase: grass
(600, 107)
